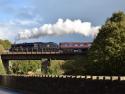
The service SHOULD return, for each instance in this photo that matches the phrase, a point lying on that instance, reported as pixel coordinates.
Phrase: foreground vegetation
(107, 54)
(36, 67)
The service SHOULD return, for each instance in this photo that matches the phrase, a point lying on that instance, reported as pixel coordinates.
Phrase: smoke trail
(61, 27)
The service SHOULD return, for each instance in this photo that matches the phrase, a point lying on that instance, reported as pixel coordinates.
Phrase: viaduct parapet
(65, 84)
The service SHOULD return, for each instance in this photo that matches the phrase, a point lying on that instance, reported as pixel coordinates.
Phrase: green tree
(55, 67)
(23, 67)
(107, 54)
(1, 48)
(77, 66)
(5, 43)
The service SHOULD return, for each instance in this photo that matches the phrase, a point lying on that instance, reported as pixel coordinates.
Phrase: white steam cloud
(61, 27)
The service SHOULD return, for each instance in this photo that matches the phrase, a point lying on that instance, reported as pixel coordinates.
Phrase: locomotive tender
(65, 47)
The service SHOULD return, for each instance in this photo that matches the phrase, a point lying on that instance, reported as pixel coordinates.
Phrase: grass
(2, 70)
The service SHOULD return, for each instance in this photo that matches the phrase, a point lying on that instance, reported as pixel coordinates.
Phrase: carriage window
(70, 44)
(86, 44)
(66, 45)
(81, 44)
(48, 45)
(76, 45)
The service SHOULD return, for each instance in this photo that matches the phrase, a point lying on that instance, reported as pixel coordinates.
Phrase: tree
(23, 67)
(107, 54)
(5, 43)
(1, 48)
(77, 66)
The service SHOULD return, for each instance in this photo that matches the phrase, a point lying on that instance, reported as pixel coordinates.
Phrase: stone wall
(49, 84)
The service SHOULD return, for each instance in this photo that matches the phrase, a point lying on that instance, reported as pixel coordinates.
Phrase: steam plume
(61, 27)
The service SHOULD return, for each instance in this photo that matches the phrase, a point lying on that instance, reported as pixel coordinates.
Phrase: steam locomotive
(65, 47)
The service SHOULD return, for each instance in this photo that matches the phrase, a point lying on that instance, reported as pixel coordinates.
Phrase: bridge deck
(38, 55)
(30, 53)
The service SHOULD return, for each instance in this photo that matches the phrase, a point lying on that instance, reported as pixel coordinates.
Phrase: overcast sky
(18, 15)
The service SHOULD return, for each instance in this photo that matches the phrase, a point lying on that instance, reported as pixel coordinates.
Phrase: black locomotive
(34, 47)
(65, 47)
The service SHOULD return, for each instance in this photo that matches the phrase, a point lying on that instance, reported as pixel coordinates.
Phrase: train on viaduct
(39, 50)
